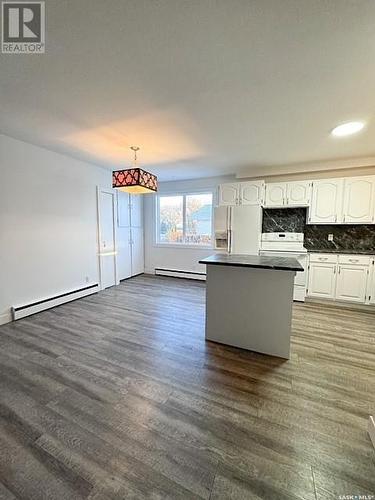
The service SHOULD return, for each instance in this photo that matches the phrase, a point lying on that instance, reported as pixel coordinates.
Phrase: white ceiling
(204, 87)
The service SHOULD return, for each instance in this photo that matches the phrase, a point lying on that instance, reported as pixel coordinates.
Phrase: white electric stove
(288, 245)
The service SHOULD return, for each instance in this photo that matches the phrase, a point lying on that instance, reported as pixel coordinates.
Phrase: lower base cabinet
(371, 284)
(352, 283)
(347, 278)
(322, 280)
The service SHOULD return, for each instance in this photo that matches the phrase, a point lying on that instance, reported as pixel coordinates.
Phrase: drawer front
(360, 260)
(327, 258)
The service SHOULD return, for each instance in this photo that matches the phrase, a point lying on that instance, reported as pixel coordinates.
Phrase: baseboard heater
(22, 311)
(177, 273)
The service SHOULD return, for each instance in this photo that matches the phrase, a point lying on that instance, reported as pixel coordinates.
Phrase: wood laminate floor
(118, 396)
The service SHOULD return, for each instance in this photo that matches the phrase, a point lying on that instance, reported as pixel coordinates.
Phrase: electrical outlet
(330, 237)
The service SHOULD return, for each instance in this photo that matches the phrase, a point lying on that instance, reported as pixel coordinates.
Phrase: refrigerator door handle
(230, 214)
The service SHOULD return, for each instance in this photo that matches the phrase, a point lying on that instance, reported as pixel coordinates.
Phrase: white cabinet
(370, 294)
(228, 194)
(136, 210)
(276, 194)
(340, 277)
(351, 282)
(298, 193)
(123, 209)
(137, 250)
(288, 194)
(329, 201)
(326, 201)
(251, 193)
(322, 280)
(241, 193)
(124, 254)
(359, 198)
(130, 246)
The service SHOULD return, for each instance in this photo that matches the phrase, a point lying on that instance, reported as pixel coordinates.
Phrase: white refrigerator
(238, 229)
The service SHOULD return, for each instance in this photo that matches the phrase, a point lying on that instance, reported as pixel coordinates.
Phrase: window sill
(184, 246)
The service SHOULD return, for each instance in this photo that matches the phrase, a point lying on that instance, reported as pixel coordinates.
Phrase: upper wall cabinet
(276, 194)
(288, 194)
(241, 193)
(326, 201)
(359, 199)
(298, 193)
(251, 193)
(228, 194)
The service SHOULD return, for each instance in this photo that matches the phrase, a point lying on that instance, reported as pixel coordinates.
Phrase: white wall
(185, 259)
(48, 223)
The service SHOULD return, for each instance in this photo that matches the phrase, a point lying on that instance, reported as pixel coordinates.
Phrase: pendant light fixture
(135, 180)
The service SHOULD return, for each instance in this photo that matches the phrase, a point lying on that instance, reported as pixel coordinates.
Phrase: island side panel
(250, 308)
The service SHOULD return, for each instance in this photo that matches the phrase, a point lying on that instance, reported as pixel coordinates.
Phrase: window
(185, 219)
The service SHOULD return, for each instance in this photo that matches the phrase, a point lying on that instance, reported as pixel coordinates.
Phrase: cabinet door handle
(353, 260)
(323, 258)
(339, 271)
(336, 218)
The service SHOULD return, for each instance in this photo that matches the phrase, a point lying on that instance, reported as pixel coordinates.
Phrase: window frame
(184, 194)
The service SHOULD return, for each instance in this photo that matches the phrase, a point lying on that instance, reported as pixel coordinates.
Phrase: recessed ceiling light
(348, 128)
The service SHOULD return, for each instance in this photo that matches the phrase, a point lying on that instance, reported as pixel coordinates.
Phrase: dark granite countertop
(350, 252)
(262, 262)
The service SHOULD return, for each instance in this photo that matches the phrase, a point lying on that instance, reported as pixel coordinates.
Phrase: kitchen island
(249, 301)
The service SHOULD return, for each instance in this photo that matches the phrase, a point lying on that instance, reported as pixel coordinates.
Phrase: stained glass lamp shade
(134, 180)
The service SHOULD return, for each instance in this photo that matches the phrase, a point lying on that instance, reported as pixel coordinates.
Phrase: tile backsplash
(356, 237)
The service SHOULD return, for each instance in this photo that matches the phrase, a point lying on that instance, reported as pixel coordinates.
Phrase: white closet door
(107, 245)
(123, 209)
(137, 250)
(124, 256)
(136, 210)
